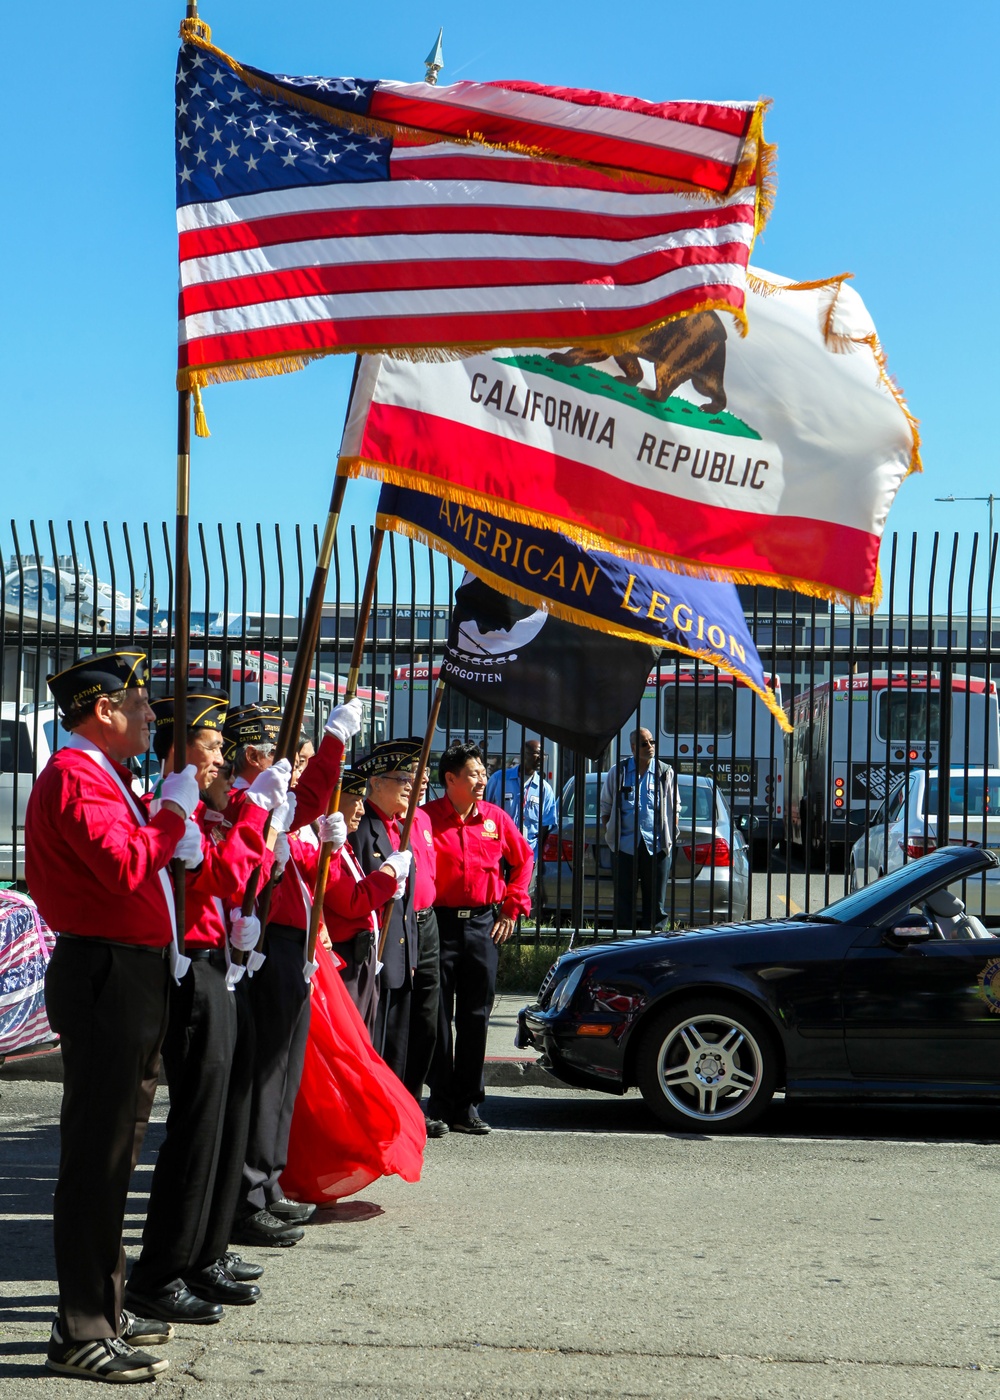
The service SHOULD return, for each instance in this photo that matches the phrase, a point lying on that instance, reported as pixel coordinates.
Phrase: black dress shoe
(215, 1286)
(436, 1127)
(174, 1304)
(298, 1212)
(263, 1228)
(241, 1269)
(473, 1124)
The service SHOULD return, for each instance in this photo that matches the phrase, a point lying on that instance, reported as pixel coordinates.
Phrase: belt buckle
(465, 913)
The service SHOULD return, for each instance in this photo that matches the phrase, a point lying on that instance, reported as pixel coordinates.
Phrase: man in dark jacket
(390, 769)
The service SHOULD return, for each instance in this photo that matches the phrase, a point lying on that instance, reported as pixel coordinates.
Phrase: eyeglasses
(398, 777)
(646, 744)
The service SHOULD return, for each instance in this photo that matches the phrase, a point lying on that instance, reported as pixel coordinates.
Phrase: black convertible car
(892, 992)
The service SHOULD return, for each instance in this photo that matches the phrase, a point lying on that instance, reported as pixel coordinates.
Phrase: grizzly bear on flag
(688, 348)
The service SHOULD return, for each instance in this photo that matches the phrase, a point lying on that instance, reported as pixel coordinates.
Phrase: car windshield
(976, 796)
(703, 804)
(854, 908)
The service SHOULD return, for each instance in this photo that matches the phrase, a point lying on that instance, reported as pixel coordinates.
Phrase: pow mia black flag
(569, 682)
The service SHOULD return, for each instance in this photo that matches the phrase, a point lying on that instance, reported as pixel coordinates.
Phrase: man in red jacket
(97, 869)
(280, 990)
(354, 901)
(183, 1274)
(476, 911)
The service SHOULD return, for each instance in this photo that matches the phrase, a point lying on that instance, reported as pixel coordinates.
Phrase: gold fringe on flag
(229, 371)
(576, 615)
(757, 154)
(354, 467)
(840, 344)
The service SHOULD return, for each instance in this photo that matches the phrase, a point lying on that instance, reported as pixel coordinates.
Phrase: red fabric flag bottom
(353, 1121)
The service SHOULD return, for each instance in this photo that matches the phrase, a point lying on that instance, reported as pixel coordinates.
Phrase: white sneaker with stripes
(101, 1359)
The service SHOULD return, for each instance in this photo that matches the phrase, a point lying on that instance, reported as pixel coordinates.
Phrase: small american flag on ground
(301, 236)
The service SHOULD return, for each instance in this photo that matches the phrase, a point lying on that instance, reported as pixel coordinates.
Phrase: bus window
(459, 712)
(692, 708)
(909, 718)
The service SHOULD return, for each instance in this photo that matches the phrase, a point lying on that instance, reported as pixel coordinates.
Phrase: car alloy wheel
(707, 1063)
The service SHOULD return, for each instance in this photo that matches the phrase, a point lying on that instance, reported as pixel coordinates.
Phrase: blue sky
(885, 120)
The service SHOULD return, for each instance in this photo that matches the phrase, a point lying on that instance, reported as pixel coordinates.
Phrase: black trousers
(425, 1002)
(469, 960)
(392, 1026)
(360, 979)
(108, 1004)
(279, 995)
(197, 1055)
(228, 1187)
(643, 876)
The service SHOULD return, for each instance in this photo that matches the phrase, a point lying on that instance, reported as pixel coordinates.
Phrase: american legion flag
(772, 459)
(310, 224)
(587, 591)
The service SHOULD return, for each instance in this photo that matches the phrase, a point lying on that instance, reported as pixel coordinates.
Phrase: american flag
(704, 145)
(300, 237)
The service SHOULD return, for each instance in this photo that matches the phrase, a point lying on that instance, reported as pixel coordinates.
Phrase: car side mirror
(915, 928)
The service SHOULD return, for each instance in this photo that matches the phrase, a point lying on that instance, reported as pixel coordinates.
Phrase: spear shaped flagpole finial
(434, 61)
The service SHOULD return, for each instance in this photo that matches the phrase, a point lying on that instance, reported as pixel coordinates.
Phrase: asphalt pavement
(581, 1251)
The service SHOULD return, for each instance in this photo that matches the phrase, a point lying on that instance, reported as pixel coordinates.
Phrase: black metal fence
(768, 824)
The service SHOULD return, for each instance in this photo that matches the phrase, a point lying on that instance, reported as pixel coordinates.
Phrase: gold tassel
(200, 421)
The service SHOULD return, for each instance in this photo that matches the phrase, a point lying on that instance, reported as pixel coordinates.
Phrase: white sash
(308, 968)
(179, 964)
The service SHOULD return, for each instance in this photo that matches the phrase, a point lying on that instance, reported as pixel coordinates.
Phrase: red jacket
(469, 853)
(312, 796)
(424, 860)
(351, 896)
(91, 864)
(231, 853)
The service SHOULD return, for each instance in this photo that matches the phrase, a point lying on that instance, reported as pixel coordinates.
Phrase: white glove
(283, 816)
(281, 852)
(245, 930)
(188, 848)
(181, 788)
(270, 788)
(398, 864)
(400, 861)
(345, 721)
(332, 830)
(255, 961)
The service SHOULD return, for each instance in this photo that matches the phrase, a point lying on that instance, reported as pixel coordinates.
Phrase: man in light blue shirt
(640, 793)
(528, 800)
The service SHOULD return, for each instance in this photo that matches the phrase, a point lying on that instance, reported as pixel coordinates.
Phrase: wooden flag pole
(182, 618)
(411, 810)
(298, 686)
(357, 655)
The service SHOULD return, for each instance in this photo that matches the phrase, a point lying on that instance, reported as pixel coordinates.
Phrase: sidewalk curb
(44, 1065)
(514, 1072)
(500, 1072)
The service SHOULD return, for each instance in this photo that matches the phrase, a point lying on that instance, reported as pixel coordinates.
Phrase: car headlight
(563, 994)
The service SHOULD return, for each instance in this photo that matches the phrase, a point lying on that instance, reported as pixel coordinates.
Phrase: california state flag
(772, 458)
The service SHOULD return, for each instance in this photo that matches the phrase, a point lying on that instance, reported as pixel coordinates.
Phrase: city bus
(255, 675)
(857, 737)
(713, 723)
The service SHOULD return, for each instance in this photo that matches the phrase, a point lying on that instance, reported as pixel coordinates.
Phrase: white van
(27, 738)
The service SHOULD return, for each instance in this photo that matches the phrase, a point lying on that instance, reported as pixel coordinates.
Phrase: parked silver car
(905, 828)
(709, 879)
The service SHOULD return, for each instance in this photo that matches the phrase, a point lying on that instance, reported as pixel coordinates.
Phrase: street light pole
(990, 499)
